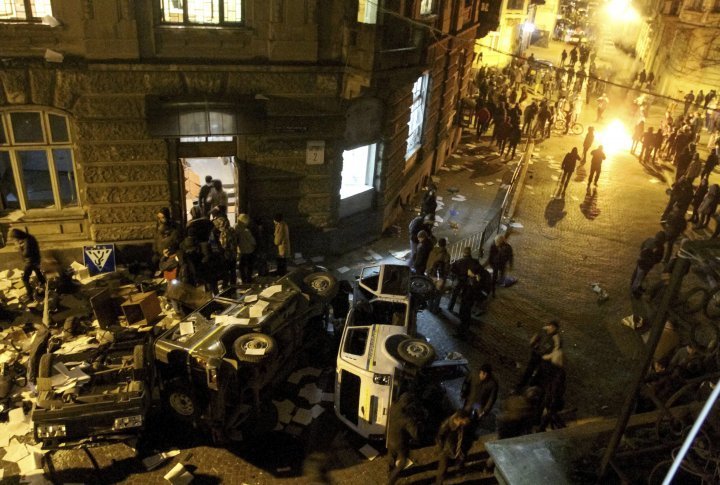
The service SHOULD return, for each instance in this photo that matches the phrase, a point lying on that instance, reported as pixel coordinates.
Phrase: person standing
(674, 227)
(500, 258)
(697, 199)
(454, 441)
(167, 233)
(419, 263)
(226, 239)
(438, 265)
(459, 271)
(694, 169)
(418, 224)
(596, 160)
(651, 253)
(587, 143)
(681, 195)
(568, 167)
(683, 161)
(637, 135)
(482, 118)
(708, 207)
(689, 98)
(282, 243)
(542, 345)
(648, 140)
(474, 291)
(563, 57)
(513, 138)
(30, 253)
(602, 104)
(429, 202)
(402, 427)
(711, 162)
(246, 246)
(480, 391)
(529, 117)
(203, 196)
(217, 196)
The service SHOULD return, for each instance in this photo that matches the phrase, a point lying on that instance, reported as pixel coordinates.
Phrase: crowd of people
(209, 251)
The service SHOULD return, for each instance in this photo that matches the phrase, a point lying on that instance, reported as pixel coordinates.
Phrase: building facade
(334, 112)
(680, 44)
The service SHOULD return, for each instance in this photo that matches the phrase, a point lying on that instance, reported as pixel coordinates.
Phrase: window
(36, 162)
(357, 171)
(356, 340)
(201, 12)
(417, 114)
(515, 4)
(367, 11)
(26, 10)
(427, 7)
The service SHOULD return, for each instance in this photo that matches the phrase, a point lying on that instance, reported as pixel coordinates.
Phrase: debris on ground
(602, 294)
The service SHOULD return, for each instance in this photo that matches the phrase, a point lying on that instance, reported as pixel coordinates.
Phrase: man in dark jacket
(30, 253)
(476, 289)
(568, 167)
(402, 426)
(459, 271)
(711, 163)
(500, 257)
(596, 160)
(454, 441)
(681, 196)
(674, 227)
(529, 117)
(419, 263)
(587, 143)
(651, 253)
(204, 192)
(480, 391)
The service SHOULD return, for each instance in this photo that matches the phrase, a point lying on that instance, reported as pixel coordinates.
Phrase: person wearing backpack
(246, 246)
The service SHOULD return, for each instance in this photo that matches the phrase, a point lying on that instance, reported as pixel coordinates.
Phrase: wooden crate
(141, 308)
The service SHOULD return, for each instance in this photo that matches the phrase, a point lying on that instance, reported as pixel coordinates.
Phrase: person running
(602, 104)
(30, 252)
(597, 157)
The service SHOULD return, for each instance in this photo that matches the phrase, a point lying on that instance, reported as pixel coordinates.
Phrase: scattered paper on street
(270, 291)
(317, 259)
(369, 452)
(312, 393)
(343, 269)
(152, 462)
(402, 255)
(516, 225)
(317, 410)
(285, 409)
(480, 184)
(303, 416)
(374, 255)
(179, 475)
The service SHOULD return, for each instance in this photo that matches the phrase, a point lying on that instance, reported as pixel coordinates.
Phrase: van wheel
(248, 347)
(181, 401)
(323, 285)
(45, 365)
(421, 286)
(416, 352)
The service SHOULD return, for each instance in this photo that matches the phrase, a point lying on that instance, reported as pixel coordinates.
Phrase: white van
(379, 352)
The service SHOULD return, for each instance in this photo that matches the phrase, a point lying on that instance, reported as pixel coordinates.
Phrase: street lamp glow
(621, 10)
(614, 138)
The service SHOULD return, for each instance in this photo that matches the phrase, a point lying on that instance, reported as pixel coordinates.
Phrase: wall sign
(99, 258)
(315, 154)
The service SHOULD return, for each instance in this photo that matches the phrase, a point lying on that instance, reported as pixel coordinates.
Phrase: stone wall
(123, 171)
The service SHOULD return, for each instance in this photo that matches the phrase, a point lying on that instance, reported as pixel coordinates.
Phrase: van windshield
(379, 312)
(356, 341)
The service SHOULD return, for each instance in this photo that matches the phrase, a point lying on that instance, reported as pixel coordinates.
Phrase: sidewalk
(469, 189)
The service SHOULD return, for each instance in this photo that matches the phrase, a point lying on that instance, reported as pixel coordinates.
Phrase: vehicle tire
(139, 362)
(181, 401)
(577, 129)
(421, 286)
(323, 285)
(694, 300)
(254, 341)
(45, 365)
(416, 352)
(712, 305)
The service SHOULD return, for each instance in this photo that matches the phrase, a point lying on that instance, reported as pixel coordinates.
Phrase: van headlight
(382, 379)
(128, 422)
(51, 431)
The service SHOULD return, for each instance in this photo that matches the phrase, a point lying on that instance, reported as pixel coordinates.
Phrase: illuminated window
(26, 10)
(36, 162)
(417, 114)
(367, 11)
(427, 7)
(201, 12)
(358, 170)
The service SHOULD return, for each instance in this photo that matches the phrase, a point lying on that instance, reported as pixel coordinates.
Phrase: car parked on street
(381, 354)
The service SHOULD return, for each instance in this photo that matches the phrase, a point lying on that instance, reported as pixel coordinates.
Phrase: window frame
(427, 7)
(47, 145)
(411, 150)
(186, 16)
(514, 4)
(29, 7)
